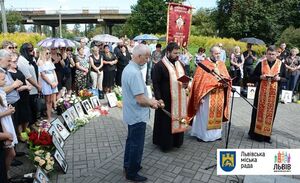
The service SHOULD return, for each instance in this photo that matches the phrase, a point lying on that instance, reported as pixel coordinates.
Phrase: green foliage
(21, 38)
(195, 42)
(148, 16)
(262, 19)
(76, 29)
(291, 37)
(13, 20)
(203, 23)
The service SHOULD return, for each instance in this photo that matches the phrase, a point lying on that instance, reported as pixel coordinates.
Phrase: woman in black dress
(123, 59)
(22, 116)
(109, 69)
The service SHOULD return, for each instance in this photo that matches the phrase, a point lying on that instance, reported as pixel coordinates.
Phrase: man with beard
(209, 98)
(269, 74)
(168, 130)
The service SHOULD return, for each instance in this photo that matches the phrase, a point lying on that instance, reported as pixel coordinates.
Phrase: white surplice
(200, 122)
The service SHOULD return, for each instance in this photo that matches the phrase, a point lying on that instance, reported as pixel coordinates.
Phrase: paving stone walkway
(95, 152)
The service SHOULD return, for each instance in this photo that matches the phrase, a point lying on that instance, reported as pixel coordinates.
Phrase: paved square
(95, 152)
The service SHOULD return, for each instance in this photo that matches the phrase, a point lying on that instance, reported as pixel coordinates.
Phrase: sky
(90, 4)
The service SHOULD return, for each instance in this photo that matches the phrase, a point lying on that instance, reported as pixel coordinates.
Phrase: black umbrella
(252, 40)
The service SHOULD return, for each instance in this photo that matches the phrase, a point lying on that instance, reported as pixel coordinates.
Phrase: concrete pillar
(53, 31)
(110, 29)
(39, 29)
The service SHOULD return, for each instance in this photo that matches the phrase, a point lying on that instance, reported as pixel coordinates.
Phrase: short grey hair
(141, 49)
(214, 48)
(4, 53)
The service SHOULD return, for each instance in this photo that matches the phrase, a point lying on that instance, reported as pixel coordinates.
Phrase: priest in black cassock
(168, 127)
(269, 74)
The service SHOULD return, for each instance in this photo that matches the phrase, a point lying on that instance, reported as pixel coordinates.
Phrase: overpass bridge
(105, 17)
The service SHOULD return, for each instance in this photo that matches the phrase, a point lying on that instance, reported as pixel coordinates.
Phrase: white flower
(49, 167)
(42, 162)
(37, 158)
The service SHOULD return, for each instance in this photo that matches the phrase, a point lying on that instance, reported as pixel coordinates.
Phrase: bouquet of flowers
(118, 91)
(67, 101)
(38, 140)
(43, 159)
(84, 94)
(79, 122)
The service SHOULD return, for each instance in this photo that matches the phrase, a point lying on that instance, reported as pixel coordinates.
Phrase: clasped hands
(155, 104)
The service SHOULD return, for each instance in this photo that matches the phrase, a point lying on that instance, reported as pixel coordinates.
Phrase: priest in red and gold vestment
(269, 74)
(209, 99)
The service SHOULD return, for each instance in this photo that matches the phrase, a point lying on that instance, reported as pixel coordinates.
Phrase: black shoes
(137, 178)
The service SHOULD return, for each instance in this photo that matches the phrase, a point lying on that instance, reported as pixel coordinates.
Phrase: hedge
(21, 37)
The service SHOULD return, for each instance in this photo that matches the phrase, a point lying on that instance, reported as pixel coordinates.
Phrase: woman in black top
(109, 69)
(123, 59)
(22, 116)
(96, 70)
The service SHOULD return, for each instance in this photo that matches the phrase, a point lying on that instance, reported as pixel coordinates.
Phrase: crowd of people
(27, 74)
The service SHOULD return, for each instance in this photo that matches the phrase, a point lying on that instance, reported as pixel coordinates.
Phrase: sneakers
(137, 178)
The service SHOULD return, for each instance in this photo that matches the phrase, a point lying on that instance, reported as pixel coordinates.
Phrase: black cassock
(256, 78)
(162, 135)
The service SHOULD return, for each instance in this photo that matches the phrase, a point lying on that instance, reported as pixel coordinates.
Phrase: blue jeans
(134, 148)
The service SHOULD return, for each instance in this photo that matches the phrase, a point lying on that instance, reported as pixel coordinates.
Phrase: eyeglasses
(47, 53)
(15, 47)
(10, 47)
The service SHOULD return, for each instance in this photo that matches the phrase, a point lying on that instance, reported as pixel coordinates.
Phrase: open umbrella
(162, 39)
(252, 40)
(146, 37)
(106, 38)
(56, 43)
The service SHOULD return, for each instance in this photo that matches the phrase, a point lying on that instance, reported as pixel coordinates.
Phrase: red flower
(44, 138)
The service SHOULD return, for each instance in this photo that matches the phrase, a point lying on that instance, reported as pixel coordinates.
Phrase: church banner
(179, 23)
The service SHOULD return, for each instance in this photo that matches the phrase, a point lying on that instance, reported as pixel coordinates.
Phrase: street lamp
(60, 28)
(4, 23)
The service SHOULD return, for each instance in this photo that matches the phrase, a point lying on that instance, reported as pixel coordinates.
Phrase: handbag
(40, 103)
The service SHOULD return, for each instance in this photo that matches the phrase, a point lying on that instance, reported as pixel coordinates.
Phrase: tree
(13, 19)
(148, 16)
(263, 19)
(76, 29)
(291, 37)
(203, 23)
(46, 30)
(22, 28)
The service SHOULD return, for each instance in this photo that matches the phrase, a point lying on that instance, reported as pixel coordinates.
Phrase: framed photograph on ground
(61, 161)
(41, 176)
(79, 109)
(61, 129)
(251, 92)
(112, 99)
(68, 120)
(87, 106)
(95, 101)
(52, 131)
(286, 96)
(238, 89)
(73, 113)
(57, 146)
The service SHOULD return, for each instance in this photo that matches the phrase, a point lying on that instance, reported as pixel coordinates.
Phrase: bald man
(209, 98)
